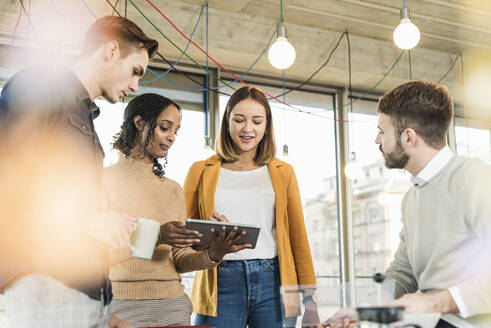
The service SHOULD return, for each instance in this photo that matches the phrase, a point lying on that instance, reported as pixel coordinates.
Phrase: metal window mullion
(214, 107)
(451, 139)
(344, 201)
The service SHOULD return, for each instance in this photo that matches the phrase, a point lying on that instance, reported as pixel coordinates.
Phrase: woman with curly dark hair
(149, 292)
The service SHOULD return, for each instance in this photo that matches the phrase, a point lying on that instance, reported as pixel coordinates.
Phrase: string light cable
(261, 54)
(410, 64)
(170, 64)
(292, 107)
(271, 97)
(207, 83)
(246, 72)
(184, 73)
(197, 82)
(173, 43)
(187, 75)
(213, 88)
(350, 89)
(298, 87)
(28, 18)
(240, 80)
(29, 10)
(352, 101)
(211, 58)
(116, 6)
(182, 54)
(237, 78)
(352, 169)
(463, 96)
(452, 65)
(90, 11)
(165, 59)
(11, 46)
(60, 16)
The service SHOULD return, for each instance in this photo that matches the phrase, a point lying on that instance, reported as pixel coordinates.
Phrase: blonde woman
(245, 183)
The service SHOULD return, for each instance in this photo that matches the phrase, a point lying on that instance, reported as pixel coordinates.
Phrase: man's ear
(139, 123)
(112, 50)
(409, 138)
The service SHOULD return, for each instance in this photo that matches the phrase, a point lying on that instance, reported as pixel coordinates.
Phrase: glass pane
(311, 151)
(473, 142)
(328, 296)
(376, 197)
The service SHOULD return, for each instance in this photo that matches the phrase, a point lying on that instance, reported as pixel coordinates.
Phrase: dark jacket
(63, 104)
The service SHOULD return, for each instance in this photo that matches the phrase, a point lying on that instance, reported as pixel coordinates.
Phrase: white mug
(144, 238)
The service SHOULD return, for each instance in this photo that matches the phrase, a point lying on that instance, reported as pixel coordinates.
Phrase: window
(377, 224)
(473, 142)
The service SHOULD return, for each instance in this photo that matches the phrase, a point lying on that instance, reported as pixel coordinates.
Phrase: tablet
(205, 226)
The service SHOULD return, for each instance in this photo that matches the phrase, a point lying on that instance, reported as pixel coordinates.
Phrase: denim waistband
(232, 263)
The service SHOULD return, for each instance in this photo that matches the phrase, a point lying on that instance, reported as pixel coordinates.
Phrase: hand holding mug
(144, 238)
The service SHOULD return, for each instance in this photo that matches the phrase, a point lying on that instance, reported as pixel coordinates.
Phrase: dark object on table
(380, 314)
(179, 327)
(378, 277)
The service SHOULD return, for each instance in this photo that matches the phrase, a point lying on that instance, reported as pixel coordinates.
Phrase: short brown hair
(128, 35)
(425, 107)
(225, 147)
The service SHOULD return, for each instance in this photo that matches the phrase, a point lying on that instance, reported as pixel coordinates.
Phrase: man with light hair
(59, 104)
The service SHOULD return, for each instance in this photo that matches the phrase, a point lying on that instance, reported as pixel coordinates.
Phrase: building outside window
(473, 142)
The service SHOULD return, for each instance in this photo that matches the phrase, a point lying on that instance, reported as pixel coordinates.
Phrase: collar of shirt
(434, 167)
(82, 94)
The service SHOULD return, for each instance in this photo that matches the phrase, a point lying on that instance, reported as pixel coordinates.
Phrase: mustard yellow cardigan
(295, 259)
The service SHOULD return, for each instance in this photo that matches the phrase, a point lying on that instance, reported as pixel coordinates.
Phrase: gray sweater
(445, 241)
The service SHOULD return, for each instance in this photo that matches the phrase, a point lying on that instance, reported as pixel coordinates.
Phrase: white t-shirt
(248, 197)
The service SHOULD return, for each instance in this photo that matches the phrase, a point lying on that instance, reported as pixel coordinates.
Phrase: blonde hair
(266, 149)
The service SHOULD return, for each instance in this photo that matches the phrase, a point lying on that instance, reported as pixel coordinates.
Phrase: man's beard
(397, 159)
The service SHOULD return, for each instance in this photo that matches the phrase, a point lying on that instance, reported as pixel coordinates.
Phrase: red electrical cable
(13, 37)
(449, 70)
(29, 13)
(463, 96)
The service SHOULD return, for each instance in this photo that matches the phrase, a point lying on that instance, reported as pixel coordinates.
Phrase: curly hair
(148, 106)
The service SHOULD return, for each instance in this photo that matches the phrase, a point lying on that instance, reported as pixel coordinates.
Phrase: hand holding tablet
(225, 242)
(174, 233)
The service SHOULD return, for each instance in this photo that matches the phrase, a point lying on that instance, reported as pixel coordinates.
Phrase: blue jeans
(248, 295)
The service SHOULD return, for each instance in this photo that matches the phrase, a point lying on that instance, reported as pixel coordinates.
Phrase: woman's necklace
(243, 167)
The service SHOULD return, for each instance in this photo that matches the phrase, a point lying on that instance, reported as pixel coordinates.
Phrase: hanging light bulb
(353, 170)
(281, 54)
(406, 35)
